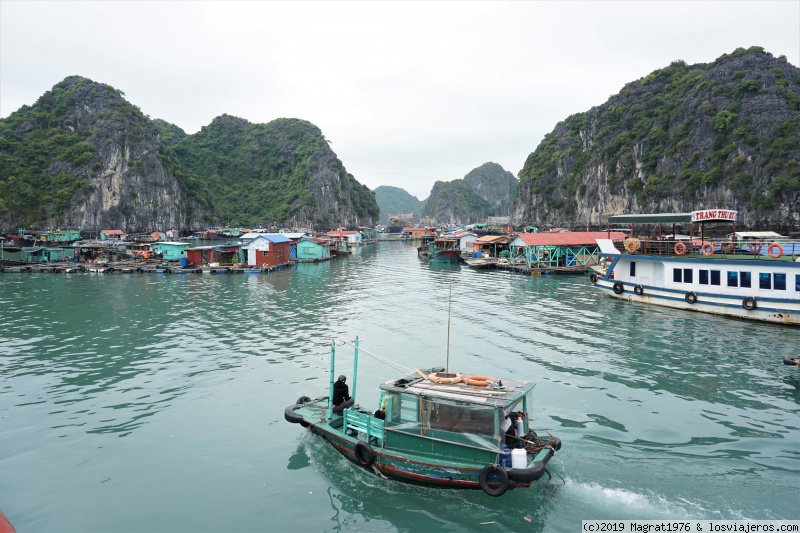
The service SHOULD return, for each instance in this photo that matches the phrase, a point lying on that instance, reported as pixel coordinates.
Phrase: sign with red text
(713, 214)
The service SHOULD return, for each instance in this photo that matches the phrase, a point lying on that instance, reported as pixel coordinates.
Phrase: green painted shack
(171, 251)
(310, 249)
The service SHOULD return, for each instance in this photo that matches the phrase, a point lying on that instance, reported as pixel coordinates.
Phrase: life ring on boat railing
(727, 247)
(618, 287)
(502, 482)
(445, 377)
(691, 297)
(749, 303)
(679, 248)
(632, 244)
(478, 381)
(593, 277)
(776, 254)
(755, 247)
(365, 455)
(707, 249)
(639, 290)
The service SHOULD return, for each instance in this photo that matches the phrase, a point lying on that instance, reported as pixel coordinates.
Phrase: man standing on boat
(341, 395)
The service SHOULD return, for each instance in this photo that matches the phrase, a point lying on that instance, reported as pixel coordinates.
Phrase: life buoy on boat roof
(778, 253)
(478, 381)
(445, 377)
(707, 249)
(679, 248)
(755, 247)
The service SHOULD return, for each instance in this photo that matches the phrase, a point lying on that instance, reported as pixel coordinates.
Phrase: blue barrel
(184, 261)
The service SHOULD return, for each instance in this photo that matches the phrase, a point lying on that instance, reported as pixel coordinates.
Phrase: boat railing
(364, 423)
(783, 249)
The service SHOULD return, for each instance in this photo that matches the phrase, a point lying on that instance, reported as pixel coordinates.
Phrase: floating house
(226, 254)
(45, 254)
(353, 238)
(567, 249)
(60, 236)
(311, 249)
(417, 233)
(111, 235)
(491, 246)
(171, 251)
(267, 250)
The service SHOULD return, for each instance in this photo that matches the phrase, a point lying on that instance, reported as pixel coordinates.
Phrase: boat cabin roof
(510, 393)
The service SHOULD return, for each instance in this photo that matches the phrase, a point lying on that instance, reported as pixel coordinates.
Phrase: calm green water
(155, 403)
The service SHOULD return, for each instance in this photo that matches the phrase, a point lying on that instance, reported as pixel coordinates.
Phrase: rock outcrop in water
(83, 157)
(686, 137)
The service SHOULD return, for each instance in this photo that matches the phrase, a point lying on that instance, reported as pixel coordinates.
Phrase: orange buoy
(445, 377)
(478, 381)
(707, 249)
(679, 248)
(779, 251)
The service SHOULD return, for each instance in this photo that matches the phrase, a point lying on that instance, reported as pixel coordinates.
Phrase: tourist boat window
(764, 280)
(797, 282)
(702, 277)
(779, 282)
(733, 279)
(633, 268)
(745, 279)
(715, 277)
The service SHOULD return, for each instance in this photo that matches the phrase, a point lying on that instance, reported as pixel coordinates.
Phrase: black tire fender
(690, 297)
(618, 287)
(749, 303)
(639, 290)
(593, 277)
(483, 480)
(291, 416)
(302, 399)
(526, 475)
(365, 455)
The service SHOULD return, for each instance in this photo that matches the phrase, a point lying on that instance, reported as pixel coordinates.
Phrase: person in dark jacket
(341, 395)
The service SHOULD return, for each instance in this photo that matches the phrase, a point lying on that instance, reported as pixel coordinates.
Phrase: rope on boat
(383, 360)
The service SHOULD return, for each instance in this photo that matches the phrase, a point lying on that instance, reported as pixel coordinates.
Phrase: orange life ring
(632, 244)
(727, 247)
(755, 247)
(478, 381)
(445, 377)
(778, 253)
(679, 248)
(707, 249)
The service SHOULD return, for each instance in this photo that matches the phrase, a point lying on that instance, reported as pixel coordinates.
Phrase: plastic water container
(519, 458)
(184, 261)
(505, 457)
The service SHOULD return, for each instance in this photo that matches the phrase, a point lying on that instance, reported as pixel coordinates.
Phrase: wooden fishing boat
(444, 250)
(441, 429)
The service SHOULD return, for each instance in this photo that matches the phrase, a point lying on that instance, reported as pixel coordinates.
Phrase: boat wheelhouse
(738, 277)
(440, 429)
(444, 250)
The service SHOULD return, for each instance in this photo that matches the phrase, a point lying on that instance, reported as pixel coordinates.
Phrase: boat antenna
(449, 301)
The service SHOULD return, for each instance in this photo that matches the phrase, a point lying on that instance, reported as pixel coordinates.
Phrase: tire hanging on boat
(593, 277)
(618, 287)
(483, 480)
(365, 455)
(302, 399)
(639, 290)
(749, 303)
(291, 416)
(691, 297)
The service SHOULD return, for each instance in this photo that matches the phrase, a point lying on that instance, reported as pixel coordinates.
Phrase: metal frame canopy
(705, 215)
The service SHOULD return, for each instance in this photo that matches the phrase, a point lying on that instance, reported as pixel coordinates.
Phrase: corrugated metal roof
(571, 238)
(493, 239)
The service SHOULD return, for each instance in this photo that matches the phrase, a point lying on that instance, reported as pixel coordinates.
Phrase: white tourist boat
(734, 276)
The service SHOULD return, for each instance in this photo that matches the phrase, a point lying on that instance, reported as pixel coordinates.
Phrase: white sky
(408, 93)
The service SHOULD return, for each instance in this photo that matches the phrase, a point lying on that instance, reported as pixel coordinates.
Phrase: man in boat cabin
(341, 395)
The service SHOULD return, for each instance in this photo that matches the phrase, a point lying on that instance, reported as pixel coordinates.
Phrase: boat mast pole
(355, 370)
(330, 379)
(449, 302)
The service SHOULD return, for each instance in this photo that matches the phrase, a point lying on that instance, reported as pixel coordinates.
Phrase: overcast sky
(408, 93)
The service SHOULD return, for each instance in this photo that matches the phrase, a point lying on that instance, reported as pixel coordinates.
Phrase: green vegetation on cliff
(393, 200)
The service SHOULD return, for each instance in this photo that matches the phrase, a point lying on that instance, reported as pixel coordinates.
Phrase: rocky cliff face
(84, 157)
(724, 134)
(95, 162)
(485, 191)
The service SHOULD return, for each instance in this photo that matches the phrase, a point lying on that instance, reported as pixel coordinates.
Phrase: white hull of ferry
(651, 281)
